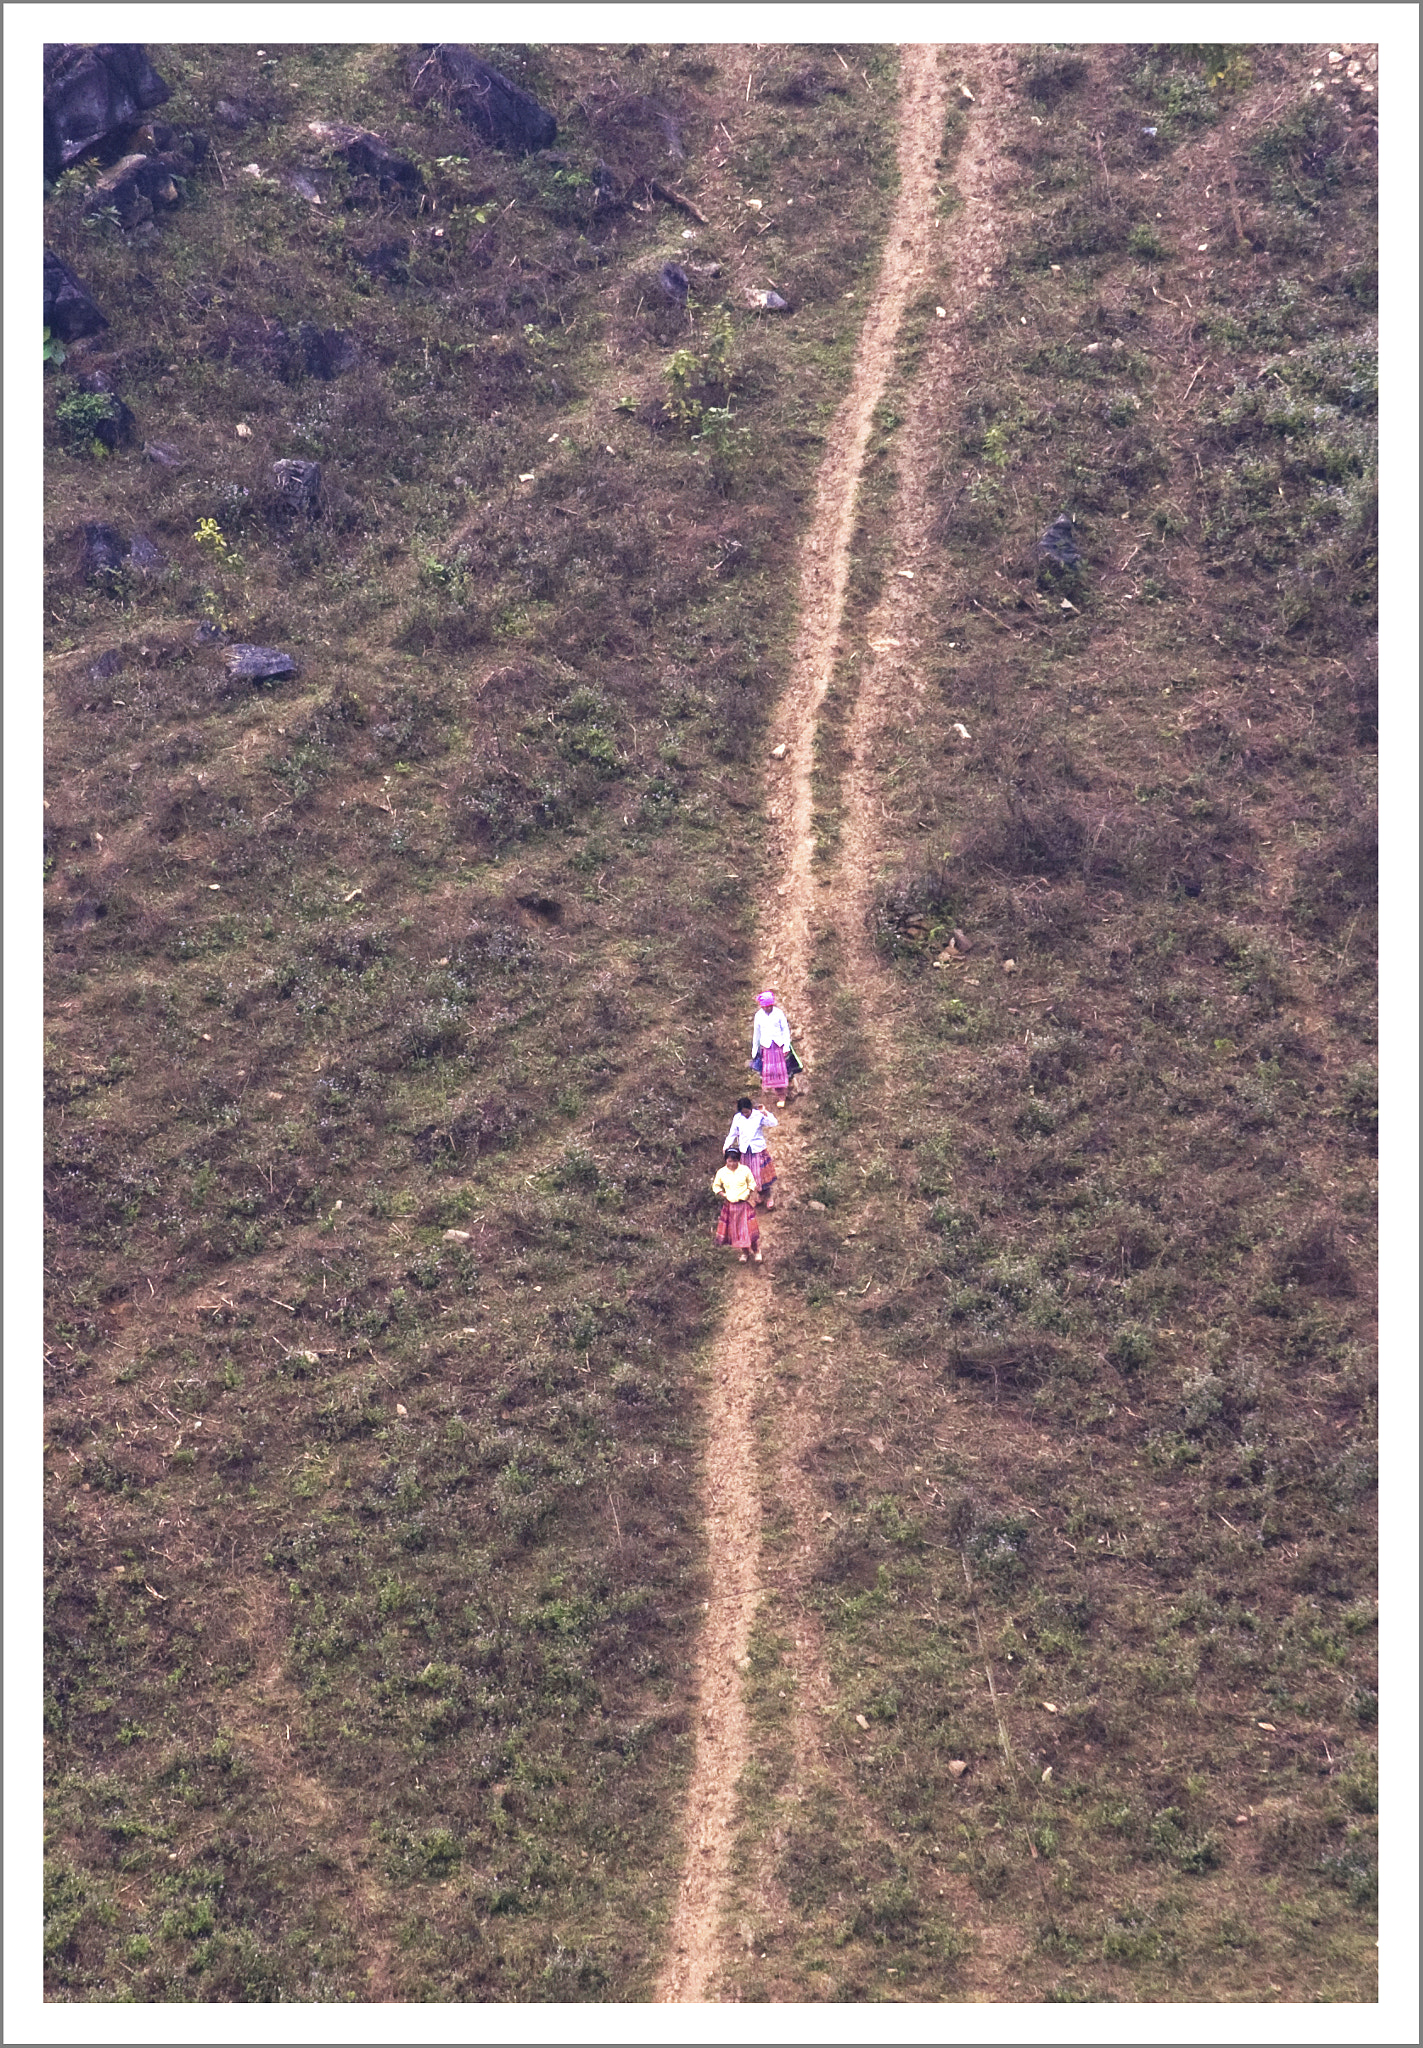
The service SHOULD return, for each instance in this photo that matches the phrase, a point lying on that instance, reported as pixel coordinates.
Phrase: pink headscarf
(767, 999)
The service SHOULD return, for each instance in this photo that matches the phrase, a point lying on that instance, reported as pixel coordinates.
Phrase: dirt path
(733, 1498)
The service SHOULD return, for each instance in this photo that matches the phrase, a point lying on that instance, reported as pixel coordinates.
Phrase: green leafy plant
(88, 422)
(693, 377)
(208, 534)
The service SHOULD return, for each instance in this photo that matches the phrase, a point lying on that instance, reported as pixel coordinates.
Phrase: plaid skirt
(761, 1167)
(773, 1068)
(737, 1225)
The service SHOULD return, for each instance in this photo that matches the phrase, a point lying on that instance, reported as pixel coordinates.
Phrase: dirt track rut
(732, 1490)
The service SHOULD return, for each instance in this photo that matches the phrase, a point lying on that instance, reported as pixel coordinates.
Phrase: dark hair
(743, 1103)
(732, 1152)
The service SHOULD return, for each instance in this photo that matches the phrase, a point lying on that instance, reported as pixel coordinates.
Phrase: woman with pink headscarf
(772, 1054)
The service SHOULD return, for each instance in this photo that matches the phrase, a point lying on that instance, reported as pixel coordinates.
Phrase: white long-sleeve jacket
(747, 1133)
(769, 1027)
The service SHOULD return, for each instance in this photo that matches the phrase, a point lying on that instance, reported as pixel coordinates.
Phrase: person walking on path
(748, 1136)
(737, 1222)
(772, 1054)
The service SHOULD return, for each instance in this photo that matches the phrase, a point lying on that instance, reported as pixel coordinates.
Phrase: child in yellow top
(737, 1223)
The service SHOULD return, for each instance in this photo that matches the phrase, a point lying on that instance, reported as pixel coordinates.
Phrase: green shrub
(1131, 1349)
(89, 422)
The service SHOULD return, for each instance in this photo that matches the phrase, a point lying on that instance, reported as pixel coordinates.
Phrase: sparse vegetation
(390, 1017)
(1114, 1376)
(394, 1006)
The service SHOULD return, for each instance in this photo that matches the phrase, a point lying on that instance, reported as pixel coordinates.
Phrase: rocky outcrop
(502, 112)
(258, 664)
(1057, 546)
(147, 182)
(93, 94)
(298, 484)
(69, 312)
(368, 156)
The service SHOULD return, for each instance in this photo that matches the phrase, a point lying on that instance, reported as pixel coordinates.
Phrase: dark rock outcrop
(137, 186)
(369, 157)
(142, 554)
(160, 138)
(1058, 546)
(103, 551)
(326, 351)
(673, 280)
(69, 312)
(258, 664)
(298, 484)
(502, 112)
(94, 93)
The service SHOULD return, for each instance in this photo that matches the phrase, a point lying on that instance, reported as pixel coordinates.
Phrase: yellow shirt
(735, 1184)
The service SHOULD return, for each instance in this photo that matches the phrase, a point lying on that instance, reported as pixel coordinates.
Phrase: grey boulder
(258, 664)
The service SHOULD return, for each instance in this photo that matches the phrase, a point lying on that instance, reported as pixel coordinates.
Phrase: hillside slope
(393, 1006)
(396, 1005)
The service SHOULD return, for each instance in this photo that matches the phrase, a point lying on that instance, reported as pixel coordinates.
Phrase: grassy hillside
(395, 1009)
(1096, 1469)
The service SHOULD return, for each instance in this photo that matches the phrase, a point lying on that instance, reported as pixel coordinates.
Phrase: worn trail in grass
(733, 1503)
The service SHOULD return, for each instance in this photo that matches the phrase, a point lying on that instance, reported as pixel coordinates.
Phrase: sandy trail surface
(733, 1505)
